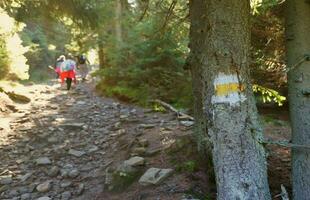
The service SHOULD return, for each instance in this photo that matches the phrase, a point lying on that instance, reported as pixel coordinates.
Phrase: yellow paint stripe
(226, 89)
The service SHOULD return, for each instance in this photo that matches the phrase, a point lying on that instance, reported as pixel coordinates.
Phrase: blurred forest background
(140, 46)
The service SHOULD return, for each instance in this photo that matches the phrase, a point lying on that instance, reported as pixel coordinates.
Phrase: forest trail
(69, 145)
(63, 145)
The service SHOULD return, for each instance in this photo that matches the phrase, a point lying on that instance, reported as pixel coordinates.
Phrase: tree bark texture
(220, 50)
(298, 47)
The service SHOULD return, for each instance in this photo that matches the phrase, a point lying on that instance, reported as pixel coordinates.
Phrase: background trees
(298, 48)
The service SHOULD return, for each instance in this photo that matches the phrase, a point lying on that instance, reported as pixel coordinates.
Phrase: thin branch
(145, 11)
(180, 114)
(285, 143)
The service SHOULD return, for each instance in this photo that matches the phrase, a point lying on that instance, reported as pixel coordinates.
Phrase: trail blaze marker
(228, 89)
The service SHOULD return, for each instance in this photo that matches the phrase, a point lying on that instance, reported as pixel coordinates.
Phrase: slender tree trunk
(197, 43)
(220, 48)
(298, 47)
(101, 56)
(118, 26)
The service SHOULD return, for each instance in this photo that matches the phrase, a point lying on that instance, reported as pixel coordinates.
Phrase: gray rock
(139, 151)
(152, 152)
(23, 190)
(92, 148)
(108, 176)
(13, 193)
(25, 177)
(44, 187)
(154, 176)
(73, 126)
(143, 142)
(25, 196)
(6, 180)
(53, 171)
(125, 168)
(65, 184)
(135, 161)
(44, 198)
(74, 173)
(80, 189)
(66, 195)
(43, 161)
(187, 123)
(52, 140)
(76, 153)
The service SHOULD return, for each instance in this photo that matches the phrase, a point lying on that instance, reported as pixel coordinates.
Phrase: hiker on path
(59, 60)
(68, 71)
(83, 66)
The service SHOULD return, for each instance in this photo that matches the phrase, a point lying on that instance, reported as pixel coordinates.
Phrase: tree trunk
(197, 43)
(118, 26)
(220, 49)
(101, 56)
(298, 47)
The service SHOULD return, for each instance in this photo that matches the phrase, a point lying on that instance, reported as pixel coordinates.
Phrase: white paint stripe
(232, 98)
(225, 79)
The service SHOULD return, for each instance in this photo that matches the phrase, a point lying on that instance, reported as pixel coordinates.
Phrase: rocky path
(70, 145)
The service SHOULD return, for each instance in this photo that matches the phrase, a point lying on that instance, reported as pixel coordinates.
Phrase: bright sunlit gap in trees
(9, 30)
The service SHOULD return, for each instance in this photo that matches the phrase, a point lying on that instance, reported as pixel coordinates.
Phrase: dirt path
(73, 146)
(61, 145)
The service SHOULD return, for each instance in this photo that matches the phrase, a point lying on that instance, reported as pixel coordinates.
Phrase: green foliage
(4, 59)
(269, 95)
(158, 108)
(188, 166)
(12, 60)
(149, 62)
(121, 180)
(261, 6)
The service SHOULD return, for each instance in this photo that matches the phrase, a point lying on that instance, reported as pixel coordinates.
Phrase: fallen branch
(285, 143)
(180, 114)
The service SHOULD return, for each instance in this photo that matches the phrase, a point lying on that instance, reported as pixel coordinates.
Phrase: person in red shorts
(68, 71)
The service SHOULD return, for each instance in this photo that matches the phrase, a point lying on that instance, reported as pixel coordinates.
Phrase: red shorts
(67, 74)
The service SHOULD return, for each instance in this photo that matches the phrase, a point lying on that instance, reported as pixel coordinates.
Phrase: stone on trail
(125, 168)
(93, 148)
(52, 140)
(135, 161)
(139, 151)
(44, 198)
(53, 171)
(76, 153)
(73, 173)
(44, 187)
(25, 177)
(80, 189)
(143, 142)
(65, 184)
(6, 180)
(154, 176)
(66, 195)
(187, 123)
(43, 161)
(72, 126)
(25, 196)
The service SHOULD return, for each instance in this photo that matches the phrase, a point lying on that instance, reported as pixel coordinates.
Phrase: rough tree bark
(220, 48)
(298, 50)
